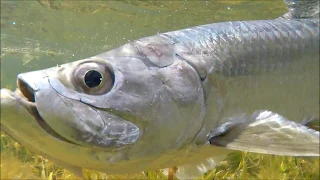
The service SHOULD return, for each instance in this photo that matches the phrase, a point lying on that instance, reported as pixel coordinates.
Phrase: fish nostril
(25, 89)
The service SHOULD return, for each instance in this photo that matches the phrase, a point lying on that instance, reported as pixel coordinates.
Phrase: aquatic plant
(18, 162)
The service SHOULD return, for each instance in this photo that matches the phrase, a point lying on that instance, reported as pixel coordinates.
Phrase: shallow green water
(41, 34)
(37, 35)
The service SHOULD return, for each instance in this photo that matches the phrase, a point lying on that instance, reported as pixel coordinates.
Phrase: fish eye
(92, 78)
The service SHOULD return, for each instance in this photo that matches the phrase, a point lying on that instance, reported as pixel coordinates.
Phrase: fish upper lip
(25, 96)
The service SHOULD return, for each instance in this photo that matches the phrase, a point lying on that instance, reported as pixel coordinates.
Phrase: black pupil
(92, 78)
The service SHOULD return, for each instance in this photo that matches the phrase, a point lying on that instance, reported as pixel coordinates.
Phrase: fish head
(139, 98)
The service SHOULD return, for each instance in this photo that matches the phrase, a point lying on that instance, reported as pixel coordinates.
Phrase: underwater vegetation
(18, 162)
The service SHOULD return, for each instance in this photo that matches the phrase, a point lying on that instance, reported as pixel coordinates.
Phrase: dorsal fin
(302, 9)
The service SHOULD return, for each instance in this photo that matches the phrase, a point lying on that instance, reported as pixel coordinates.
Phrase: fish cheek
(71, 119)
(183, 84)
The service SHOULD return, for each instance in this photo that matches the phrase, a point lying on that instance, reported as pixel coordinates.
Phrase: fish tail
(301, 9)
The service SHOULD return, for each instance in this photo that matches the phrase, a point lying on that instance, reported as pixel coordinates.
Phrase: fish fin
(302, 9)
(195, 170)
(266, 132)
(312, 123)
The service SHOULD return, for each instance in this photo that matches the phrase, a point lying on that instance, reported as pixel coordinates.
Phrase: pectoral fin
(313, 123)
(266, 132)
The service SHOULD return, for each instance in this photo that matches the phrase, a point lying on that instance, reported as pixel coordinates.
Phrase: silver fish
(184, 98)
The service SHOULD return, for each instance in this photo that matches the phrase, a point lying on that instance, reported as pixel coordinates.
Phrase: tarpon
(184, 98)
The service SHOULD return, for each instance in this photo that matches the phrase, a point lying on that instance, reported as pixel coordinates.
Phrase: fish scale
(257, 38)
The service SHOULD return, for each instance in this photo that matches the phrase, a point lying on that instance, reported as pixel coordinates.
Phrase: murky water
(41, 34)
(38, 34)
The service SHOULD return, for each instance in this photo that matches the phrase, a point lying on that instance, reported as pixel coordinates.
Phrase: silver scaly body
(267, 64)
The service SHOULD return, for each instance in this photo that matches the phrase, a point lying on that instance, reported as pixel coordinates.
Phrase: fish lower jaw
(24, 97)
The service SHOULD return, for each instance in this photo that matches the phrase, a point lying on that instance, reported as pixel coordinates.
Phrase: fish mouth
(25, 96)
